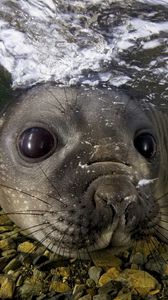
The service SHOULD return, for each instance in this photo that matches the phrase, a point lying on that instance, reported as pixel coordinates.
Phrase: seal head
(73, 163)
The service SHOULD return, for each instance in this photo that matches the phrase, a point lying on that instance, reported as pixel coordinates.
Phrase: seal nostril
(131, 215)
(103, 200)
(99, 200)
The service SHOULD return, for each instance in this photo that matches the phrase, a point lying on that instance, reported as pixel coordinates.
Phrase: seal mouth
(110, 167)
(95, 170)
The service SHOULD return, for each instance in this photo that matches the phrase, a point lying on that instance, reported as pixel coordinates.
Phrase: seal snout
(114, 191)
(122, 207)
(116, 197)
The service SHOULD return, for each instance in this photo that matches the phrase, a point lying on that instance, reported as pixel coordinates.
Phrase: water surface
(118, 43)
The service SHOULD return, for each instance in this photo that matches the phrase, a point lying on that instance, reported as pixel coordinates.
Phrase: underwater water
(118, 43)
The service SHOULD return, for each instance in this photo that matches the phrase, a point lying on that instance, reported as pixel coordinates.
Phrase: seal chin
(104, 239)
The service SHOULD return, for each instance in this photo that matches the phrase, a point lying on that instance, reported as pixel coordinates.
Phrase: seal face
(83, 169)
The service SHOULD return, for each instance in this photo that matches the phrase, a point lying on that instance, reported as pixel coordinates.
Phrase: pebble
(14, 274)
(90, 283)
(50, 264)
(86, 297)
(91, 291)
(78, 291)
(126, 296)
(42, 275)
(3, 262)
(7, 244)
(25, 259)
(20, 280)
(62, 271)
(26, 247)
(29, 289)
(112, 274)
(14, 234)
(7, 287)
(38, 275)
(4, 220)
(112, 288)
(9, 253)
(14, 264)
(105, 258)
(39, 260)
(140, 281)
(59, 287)
(102, 297)
(5, 228)
(155, 264)
(138, 259)
(95, 273)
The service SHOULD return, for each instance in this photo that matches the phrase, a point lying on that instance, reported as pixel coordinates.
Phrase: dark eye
(145, 143)
(36, 143)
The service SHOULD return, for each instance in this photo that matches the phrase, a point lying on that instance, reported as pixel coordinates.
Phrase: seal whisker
(158, 258)
(24, 192)
(161, 197)
(149, 244)
(160, 226)
(164, 221)
(147, 198)
(51, 197)
(164, 214)
(37, 230)
(163, 206)
(59, 248)
(161, 243)
(19, 230)
(36, 212)
(37, 242)
(159, 232)
(56, 242)
(35, 197)
(66, 97)
(31, 227)
(47, 235)
(24, 213)
(61, 108)
(53, 185)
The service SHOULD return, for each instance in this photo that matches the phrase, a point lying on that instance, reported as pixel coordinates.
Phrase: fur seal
(84, 169)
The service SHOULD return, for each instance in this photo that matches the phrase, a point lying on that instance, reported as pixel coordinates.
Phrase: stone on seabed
(7, 287)
(140, 281)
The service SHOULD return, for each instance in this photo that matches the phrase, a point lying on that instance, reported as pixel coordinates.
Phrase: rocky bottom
(29, 271)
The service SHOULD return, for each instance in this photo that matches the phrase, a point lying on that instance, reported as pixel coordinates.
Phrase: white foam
(36, 43)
